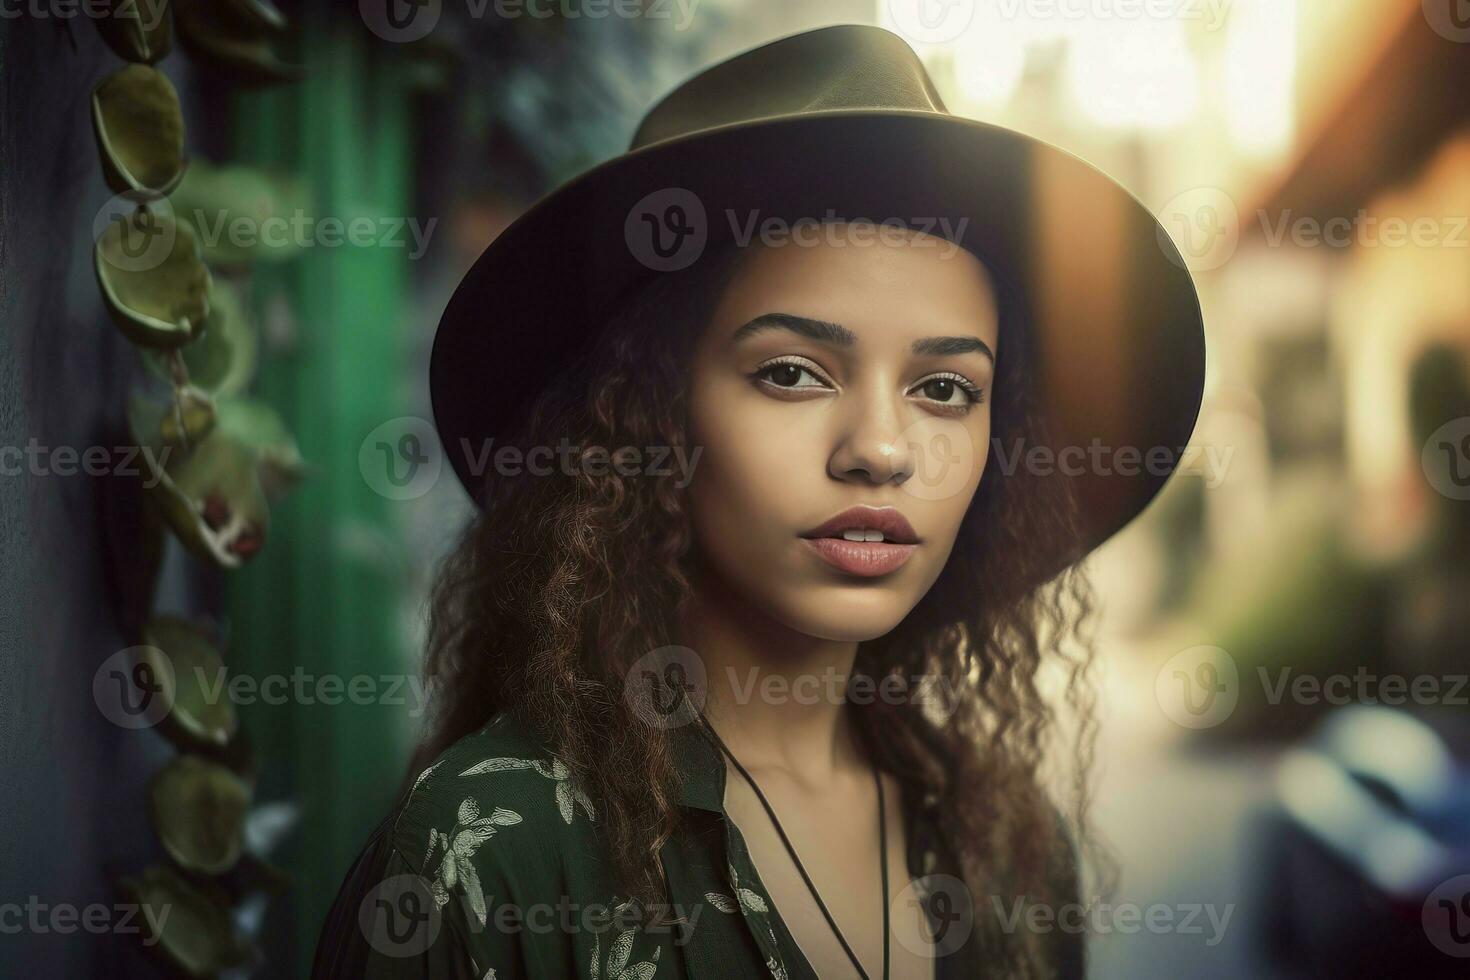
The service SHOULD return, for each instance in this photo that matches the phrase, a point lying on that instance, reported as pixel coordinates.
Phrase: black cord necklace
(882, 850)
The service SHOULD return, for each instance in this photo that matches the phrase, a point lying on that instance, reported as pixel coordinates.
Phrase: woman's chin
(851, 618)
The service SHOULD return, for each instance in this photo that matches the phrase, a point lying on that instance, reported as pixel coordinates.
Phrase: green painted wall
(316, 599)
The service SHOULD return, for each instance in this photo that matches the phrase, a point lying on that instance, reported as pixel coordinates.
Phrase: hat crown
(849, 66)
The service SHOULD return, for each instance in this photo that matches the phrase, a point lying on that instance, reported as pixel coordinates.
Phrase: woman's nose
(871, 445)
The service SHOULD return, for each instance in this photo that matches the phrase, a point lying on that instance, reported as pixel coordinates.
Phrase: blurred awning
(1385, 121)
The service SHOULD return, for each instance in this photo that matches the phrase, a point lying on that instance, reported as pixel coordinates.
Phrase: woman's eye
(786, 375)
(941, 389)
(950, 392)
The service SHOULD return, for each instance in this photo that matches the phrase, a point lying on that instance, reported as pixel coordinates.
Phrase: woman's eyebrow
(941, 346)
(836, 335)
(822, 331)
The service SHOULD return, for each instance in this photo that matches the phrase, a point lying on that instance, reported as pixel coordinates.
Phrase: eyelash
(972, 391)
(974, 394)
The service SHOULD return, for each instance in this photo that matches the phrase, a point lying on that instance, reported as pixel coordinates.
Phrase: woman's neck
(775, 695)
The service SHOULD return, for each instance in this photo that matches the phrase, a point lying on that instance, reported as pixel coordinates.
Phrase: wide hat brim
(1112, 312)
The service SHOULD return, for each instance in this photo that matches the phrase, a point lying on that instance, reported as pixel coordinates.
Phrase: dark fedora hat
(843, 123)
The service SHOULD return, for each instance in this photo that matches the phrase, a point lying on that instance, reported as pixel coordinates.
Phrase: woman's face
(836, 376)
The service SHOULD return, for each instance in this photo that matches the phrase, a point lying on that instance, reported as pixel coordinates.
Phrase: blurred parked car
(1367, 851)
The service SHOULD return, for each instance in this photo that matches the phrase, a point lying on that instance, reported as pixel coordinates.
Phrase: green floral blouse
(490, 869)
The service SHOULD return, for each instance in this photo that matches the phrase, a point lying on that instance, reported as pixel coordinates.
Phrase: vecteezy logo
(400, 459)
(948, 915)
(399, 916)
(667, 230)
(400, 21)
(1198, 687)
(1446, 917)
(666, 687)
(134, 688)
(1446, 459)
(1199, 229)
(1450, 19)
(931, 21)
(943, 457)
(142, 227)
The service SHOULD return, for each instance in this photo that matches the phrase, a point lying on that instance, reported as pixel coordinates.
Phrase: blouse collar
(701, 768)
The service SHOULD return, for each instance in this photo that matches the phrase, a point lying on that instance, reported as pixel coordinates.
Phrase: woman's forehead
(913, 284)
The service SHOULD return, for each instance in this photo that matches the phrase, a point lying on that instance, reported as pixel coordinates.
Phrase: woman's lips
(866, 558)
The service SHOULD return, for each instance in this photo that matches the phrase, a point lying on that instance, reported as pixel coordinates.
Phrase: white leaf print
(619, 953)
(722, 902)
(497, 765)
(473, 890)
(425, 775)
(468, 841)
(449, 869)
(502, 817)
(585, 802)
(752, 901)
(456, 867)
(564, 801)
(567, 793)
(617, 957)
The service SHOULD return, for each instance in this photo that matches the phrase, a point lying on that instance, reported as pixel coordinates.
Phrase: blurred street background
(1283, 770)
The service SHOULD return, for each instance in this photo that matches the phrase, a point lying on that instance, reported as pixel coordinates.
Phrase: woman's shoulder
(490, 828)
(494, 784)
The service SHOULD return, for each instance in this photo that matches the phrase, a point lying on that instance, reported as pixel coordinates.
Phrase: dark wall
(73, 789)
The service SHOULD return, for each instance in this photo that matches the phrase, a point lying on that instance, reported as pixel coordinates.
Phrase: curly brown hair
(562, 581)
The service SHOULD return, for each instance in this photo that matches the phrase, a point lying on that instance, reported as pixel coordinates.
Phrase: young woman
(739, 671)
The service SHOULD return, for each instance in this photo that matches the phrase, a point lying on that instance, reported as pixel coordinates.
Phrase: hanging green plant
(257, 425)
(198, 809)
(214, 503)
(210, 497)
(199, 715)
(243, 215)
(234, 39)
(222, 361)
(211, 468)
(214, 498)
(139, 32)
(190, 419)
(140, 130)
(153, 281)
(187, 925)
